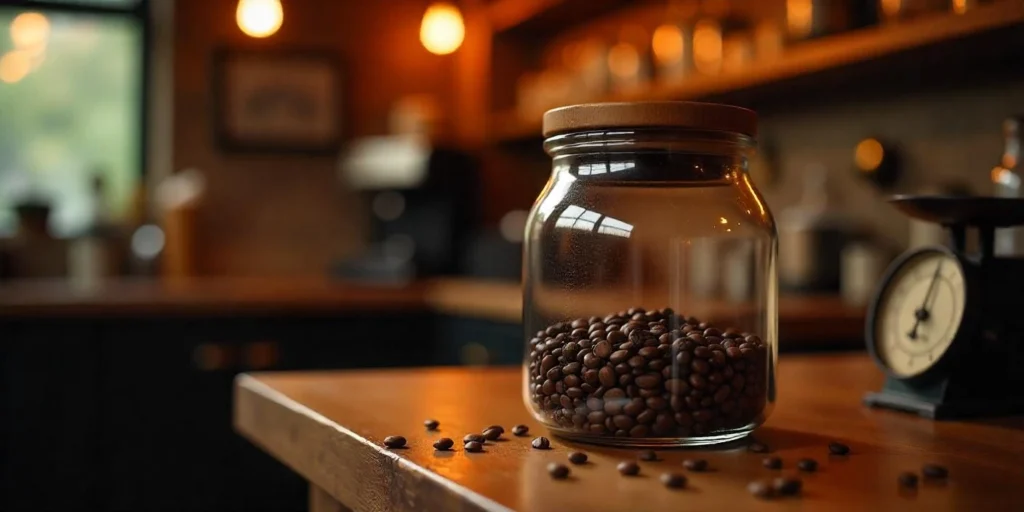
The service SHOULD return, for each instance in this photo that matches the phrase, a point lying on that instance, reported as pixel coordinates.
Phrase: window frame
(140, 12)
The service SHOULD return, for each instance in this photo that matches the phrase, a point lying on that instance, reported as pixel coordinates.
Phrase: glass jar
(650, 289)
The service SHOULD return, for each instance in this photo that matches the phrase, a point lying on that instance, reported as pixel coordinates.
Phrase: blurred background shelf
(977, 34)
(531, 18)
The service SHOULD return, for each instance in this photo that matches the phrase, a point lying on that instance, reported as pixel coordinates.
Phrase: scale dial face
(919, 312)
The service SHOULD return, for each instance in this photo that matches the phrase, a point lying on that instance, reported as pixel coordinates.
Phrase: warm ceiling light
(259, 18)
(30, 31)
(14, 65)
(442, 30)
(667, 43)
(868, 155)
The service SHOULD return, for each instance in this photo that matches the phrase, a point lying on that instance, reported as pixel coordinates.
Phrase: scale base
(942, 411)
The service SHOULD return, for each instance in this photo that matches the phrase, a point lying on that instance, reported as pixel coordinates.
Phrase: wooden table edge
(402, 486)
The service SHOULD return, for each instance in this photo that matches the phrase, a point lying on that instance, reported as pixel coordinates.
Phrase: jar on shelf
(650, 288)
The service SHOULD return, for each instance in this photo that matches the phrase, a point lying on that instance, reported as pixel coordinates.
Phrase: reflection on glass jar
(649, 277)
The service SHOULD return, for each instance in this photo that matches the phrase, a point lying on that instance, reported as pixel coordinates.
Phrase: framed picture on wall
(275, 101)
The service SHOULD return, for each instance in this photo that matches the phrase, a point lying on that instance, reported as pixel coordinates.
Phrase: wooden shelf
(806, 59)
(532, 18)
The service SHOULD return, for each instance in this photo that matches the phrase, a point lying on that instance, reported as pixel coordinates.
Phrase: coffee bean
(772, 462)
(623, 422)
(648, 456)
(492, 434)
(808, 465)
(541, 443)
(603, 349)
(758, 447)
(394, 441)
(474, 446)
(431, 424)
(785, 486)
(520, 430)
(607, 376)
(591, 361)
(619, 356)
(761, 489)
(634, 407)
(474, 437)
(934, 471)
(578, 458)
(628, 468)
(695, 464)
(445, 443)
(646, 417)
(838, 448)
(649, 380)
(907, 479)
(615, 337)
(673, 480)
(558, 471)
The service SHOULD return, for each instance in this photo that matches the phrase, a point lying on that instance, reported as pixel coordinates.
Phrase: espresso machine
(423, 201)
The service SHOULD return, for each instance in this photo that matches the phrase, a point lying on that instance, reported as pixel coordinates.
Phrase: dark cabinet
(135, 413)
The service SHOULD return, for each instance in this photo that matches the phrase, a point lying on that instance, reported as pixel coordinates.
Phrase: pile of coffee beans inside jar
(641, 373)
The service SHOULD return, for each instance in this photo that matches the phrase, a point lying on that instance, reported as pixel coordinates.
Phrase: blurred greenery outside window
(70, 110)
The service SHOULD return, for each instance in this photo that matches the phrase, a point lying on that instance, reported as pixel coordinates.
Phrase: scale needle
(921, 314)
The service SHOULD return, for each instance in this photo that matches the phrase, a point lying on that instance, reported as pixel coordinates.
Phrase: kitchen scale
(946, 326)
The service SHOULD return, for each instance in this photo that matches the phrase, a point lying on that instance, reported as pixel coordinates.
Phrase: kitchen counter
(329, 427)
(803, 320)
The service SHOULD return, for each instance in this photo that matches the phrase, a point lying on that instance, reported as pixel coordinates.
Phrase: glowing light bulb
(259, 18)
(14, 66)
(442, 29)
(30, 31)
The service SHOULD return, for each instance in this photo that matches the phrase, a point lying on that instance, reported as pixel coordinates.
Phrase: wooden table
(329, 426)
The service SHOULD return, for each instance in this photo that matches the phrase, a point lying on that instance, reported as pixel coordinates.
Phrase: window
(71, 100)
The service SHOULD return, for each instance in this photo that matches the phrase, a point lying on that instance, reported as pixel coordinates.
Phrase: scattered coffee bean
(673, 480)
(761, 489)
(635, 367)
(808, 465)
(758, 447)
(474, 446)
(394, 441)
(578, 458)
(838, 448)
(934, 471)
(648, 456)
(772, 462)
(491, 434)
(628, 468)
(558, 471)
(520, 430)
(499, 428)
(908, 480)
(695, 464)
(473, 437)
(785, 486)
(445, 443)
(431, 424)
(541, 443)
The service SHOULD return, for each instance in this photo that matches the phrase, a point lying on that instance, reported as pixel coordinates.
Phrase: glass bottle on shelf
(1007, 180)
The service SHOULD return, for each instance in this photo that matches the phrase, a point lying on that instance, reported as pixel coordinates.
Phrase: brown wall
(270, 214)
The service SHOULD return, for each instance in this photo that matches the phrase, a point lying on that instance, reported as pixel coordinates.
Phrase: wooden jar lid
(654, 114)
